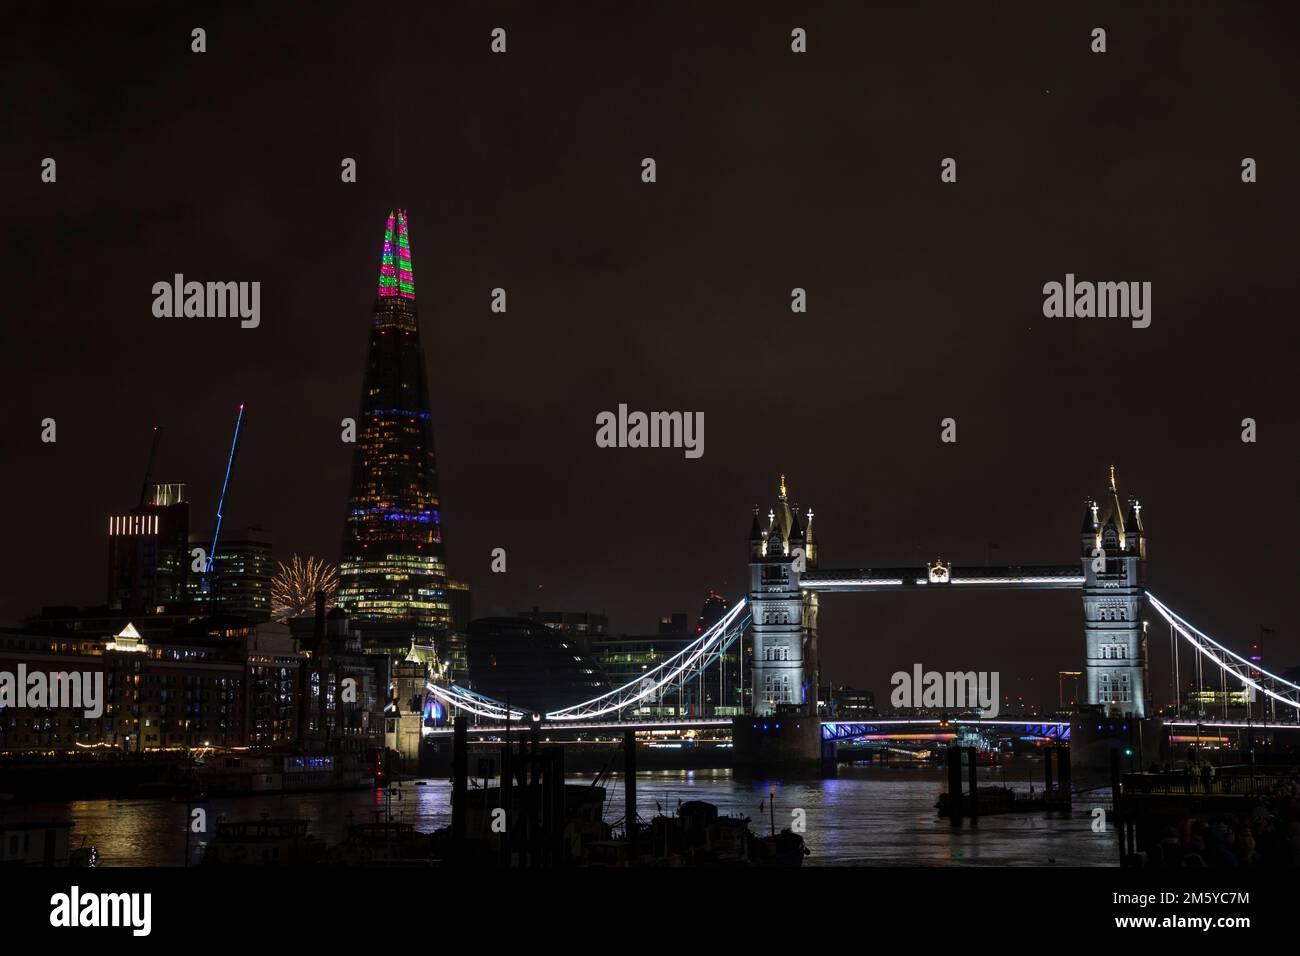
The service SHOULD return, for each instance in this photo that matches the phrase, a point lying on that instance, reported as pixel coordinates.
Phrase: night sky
(775, 170)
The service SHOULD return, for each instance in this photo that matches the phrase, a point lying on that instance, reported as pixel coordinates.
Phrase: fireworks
(293, 589)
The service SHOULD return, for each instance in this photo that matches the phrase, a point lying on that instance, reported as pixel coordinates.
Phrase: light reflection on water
(872, 816)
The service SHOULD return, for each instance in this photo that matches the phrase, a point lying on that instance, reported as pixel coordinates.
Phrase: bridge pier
(788, 746)
(1140, 741)
(955, 795)
(830, 768)
(1063, 775)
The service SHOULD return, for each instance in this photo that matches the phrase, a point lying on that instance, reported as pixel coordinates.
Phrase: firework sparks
(294, 587)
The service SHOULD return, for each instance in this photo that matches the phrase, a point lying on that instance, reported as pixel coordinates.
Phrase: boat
(84, 856)
(231, 774)
(608, 853)
(580, 825)
(43, 843)
(780, 849)
(994, 800)
(697, 835)
(263, 842)
(383, 843)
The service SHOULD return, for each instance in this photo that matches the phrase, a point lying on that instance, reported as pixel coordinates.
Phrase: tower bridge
(785, 584)
(781, 610)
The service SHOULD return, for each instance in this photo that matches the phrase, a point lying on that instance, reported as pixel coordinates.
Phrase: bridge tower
(784, 629)
(1114, 551)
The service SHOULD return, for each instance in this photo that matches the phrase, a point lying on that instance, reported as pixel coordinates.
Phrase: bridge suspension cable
(1230, 663)
(702, 652)
(713, 657)
(474, 703)
(720, 635)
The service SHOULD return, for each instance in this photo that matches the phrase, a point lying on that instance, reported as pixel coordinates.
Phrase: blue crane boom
(221, 501)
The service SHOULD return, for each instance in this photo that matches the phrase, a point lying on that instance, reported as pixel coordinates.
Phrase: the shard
(393, 575)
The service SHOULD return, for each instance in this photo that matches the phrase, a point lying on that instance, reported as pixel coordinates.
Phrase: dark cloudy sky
(775, 170)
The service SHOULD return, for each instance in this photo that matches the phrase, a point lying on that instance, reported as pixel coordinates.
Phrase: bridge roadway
(578, 726)
(1018, 577)
(839, 729)
(831, 729)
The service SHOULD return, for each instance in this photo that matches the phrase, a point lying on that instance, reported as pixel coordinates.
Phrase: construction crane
(221, 501)
(148, 470)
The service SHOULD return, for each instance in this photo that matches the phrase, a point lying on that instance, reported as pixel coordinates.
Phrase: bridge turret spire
(1114, 514)
(1133, 521)
(755, 537)
(1137, 536)
(1089, 528)
(796, 530)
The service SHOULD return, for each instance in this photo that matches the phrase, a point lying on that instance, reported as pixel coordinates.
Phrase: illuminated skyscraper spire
(395, 274)
(387, 273)
(392, 576)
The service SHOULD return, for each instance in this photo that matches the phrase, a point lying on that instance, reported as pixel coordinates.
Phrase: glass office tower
(393, 576)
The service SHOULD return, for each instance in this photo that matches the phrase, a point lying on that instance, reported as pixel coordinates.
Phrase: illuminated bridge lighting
(708, 648)
(648, 684)
(701, 651)
(473, 703)
(1248, 672)
(1072, 580)
(886, 579)
(852, 730)
(1231, 724)
(667, 723)
(826, 585)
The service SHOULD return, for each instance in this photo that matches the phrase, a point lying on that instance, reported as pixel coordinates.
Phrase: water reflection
(872, 816)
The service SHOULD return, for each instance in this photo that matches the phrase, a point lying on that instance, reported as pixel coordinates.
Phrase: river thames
(869, 816)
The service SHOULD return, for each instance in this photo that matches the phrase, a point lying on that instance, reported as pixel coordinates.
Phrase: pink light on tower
(396, 276)
(387, 273)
